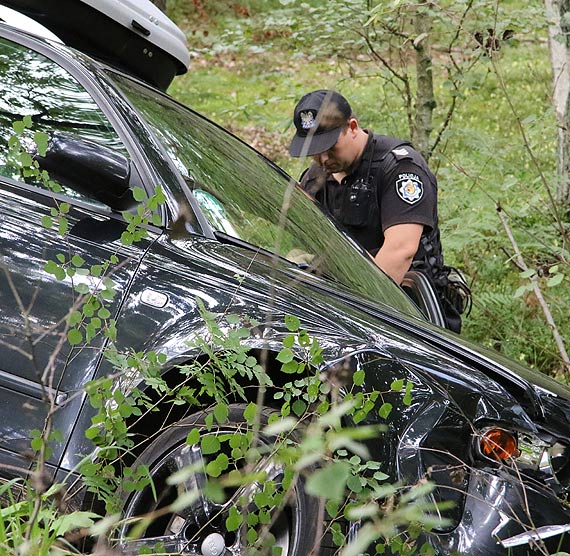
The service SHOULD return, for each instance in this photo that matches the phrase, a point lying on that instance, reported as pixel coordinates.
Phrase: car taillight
(499, 444)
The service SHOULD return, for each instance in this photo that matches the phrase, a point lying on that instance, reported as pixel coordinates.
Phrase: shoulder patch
(409, 188)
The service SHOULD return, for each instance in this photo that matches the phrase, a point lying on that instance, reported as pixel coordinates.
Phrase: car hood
(229, 279)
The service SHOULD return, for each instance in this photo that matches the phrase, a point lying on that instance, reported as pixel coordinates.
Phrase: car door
(50, 239)
(419, 288)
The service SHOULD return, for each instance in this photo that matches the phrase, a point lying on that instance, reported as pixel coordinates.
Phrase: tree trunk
(425, 99)
(558, 12)
(160, 4)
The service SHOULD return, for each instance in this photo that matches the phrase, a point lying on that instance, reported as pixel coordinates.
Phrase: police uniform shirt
(391, 185)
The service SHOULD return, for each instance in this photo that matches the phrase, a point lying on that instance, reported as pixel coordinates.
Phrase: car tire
(201, 527)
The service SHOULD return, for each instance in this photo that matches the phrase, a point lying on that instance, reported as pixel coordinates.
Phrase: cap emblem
(307, 120)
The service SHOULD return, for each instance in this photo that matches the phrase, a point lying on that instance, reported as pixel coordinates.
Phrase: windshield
(244, 197)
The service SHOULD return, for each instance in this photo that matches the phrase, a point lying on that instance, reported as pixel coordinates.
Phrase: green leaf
(396, 544)
(37, 444)
(529, 119)
(304, 339)
(397, 385)
(250, 412)
(285, 355)
(428, 550)
(88, 309)
(222, 461)
(252, 519)
(89, 468)
(299, 407)
(407, 400)
(354, 484)
(77, 261)
(82, 289)
(209, 420)
(291, 367)
(104, 313)
(126, 238)
(289, 341)
(555, 280)
(51, 267)
(520, 291)
(380, 548)
(41, 140)
(332, 508)
(75, 318)
(60, 273)
(358, 377)
(139, 194)
(251, 536)
(234, 519)
(18, 127)
(221, 412)
(209, 444)
(47, 222)
(385, 410)
(213, 469)
(193, 437)
(380, 476)
(25, 159)
(251, 361)
(63, 226)
(92, 432)
(74, 520)
(329, 482)
(262, 500)
(111, 330)
(74, 337)
(292, 323)
(233, 319)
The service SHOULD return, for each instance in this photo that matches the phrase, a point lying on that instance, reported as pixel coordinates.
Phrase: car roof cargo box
(133, 35)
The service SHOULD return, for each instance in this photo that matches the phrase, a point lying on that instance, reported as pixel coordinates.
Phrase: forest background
(489, 130)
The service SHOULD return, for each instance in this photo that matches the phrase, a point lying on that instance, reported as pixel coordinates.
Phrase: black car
(233, 235)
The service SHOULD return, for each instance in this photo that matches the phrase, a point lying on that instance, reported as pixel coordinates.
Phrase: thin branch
(530, 152)
(538, 293)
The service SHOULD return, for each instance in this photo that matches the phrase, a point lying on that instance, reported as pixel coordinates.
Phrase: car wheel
(200, 528)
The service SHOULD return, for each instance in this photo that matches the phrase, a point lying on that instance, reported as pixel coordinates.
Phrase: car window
(246, 197)
(35, 86)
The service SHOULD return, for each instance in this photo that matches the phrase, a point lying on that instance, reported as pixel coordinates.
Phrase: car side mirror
(89, 168)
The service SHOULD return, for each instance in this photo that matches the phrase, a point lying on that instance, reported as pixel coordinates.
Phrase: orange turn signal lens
(499, 444)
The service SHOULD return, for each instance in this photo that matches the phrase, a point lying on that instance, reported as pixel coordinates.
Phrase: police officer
(377, 187)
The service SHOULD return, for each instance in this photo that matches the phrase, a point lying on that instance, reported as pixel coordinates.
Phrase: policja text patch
(410, 188)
